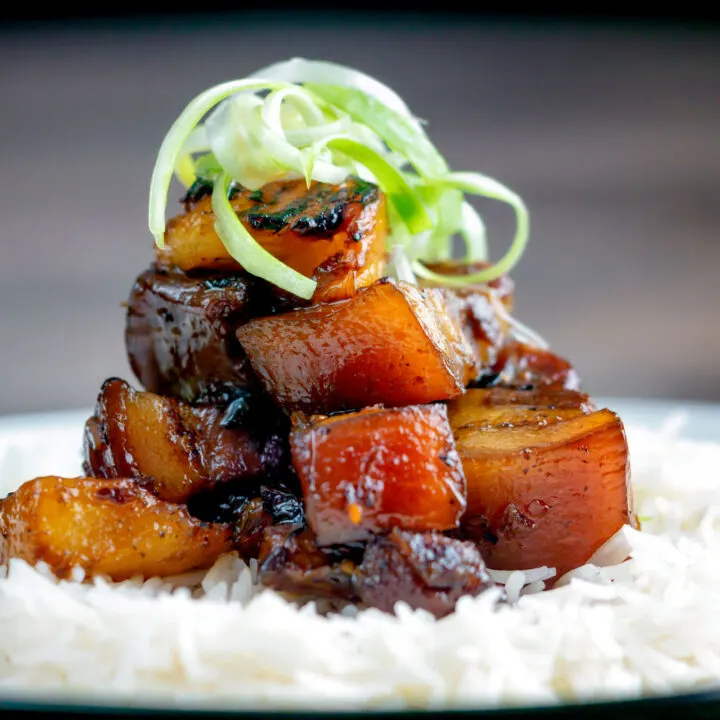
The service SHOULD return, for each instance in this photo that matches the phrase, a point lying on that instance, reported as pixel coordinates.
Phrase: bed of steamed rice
(645, 626)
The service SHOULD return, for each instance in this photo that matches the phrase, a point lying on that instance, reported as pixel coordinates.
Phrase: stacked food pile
(366, 438)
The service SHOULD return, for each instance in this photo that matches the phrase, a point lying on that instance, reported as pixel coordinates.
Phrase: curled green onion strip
(405, 200)
(253, 257)
(174, 143)
(486, 187)
(323, 122)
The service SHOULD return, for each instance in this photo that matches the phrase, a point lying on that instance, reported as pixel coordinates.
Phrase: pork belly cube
(391, 344)
(525, 366)
(428, 571)
(545, 489)
(178, 449)
(106, 527)
(335, 234)
(366, 472)
(180, 334)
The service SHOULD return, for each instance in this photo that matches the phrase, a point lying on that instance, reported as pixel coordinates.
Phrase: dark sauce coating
(226, 503)
(283, 504)
(484, 328)
(249, 508)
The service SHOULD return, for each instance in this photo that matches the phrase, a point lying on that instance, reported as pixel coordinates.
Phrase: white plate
(36, 444)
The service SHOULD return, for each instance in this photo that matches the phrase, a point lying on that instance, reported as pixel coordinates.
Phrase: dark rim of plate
(703, 704)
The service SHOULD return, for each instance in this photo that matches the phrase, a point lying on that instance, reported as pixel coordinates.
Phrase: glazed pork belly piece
(177, 449)
(366, 472)
(545, 485)
(335, 234)
(180, 334)
(428, 571)
(106, 527)
(392, 344)
(522, 365)
(291, 562)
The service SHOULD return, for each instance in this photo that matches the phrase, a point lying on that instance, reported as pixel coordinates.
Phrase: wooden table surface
(610, 134)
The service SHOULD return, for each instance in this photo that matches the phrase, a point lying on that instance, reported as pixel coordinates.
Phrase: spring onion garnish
(255, 258)
(323, 122)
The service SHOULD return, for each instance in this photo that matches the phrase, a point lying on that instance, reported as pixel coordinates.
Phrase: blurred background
(608, 126)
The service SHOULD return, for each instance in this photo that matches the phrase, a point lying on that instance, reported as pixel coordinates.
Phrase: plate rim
(637, 707)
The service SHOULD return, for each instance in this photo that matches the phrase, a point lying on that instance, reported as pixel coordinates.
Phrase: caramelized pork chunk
(391, 344)
(366, 472)
(180, 334)
(106, 527)
(335, 234)
(427, 571)
(178, 449)
(291, 562)
(524, 366)
(544, 487)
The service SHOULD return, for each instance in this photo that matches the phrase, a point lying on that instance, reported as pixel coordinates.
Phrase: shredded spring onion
(255, 258)
(323, 122)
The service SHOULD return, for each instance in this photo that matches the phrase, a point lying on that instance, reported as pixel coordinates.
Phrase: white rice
(643, 627)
